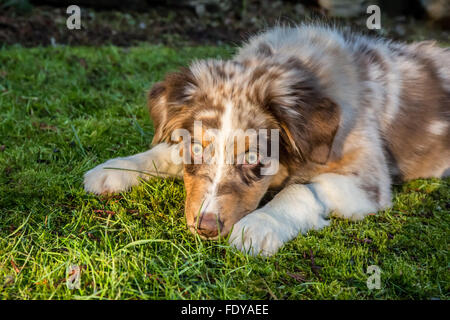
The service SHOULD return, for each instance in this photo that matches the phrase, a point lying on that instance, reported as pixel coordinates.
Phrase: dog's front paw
(258, 233)
(101, 180)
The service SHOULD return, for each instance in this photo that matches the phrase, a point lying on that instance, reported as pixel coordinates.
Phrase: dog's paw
(100, 180)
(257, 234)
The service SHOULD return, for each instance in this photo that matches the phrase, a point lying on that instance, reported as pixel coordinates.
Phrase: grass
(64, 110)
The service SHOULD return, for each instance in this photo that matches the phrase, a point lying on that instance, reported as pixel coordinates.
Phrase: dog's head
(242, 120)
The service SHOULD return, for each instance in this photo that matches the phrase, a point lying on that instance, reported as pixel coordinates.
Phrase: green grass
(64, 110)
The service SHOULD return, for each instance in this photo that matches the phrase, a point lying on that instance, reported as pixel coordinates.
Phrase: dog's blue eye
(251, 157)
(197, 149)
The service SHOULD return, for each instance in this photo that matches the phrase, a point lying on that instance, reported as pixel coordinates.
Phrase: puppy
(325, 117)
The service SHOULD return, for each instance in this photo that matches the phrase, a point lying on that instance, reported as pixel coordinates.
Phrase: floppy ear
(311, 134)
(308, 120)
(168, 102)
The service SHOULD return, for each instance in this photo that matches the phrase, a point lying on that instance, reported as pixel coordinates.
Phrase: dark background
(182, 22)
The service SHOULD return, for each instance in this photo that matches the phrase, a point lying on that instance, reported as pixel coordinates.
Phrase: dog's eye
(251, 158)
(197, 149)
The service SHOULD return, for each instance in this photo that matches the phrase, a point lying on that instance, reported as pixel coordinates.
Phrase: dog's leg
(298, 209)
(154, 162)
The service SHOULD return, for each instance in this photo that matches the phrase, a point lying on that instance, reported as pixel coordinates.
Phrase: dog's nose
(209, 225)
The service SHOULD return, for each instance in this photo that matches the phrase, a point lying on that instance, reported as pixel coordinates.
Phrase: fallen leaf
(109, 212)
(315, 268)
(13, 263)
(297, 276)
(91, 236)
(152, 276)
(43, 283)
(365, 240)
(45, 126)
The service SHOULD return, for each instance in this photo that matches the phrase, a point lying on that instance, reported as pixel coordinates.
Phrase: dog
(352, 114)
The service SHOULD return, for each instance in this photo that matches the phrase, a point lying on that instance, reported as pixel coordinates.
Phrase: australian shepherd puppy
(325, 117)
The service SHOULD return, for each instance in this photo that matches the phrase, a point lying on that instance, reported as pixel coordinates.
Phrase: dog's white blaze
(226, 131)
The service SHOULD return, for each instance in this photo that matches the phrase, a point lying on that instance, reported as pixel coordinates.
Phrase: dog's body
(353, 113)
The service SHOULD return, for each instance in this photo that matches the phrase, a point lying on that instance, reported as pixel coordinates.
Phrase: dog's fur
(353, 113)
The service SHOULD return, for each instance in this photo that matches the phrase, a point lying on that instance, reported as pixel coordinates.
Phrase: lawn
(64, 110)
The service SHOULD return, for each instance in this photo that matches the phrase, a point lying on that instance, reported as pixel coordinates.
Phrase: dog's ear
(308, 120)
(311, 133)
(168, 102)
